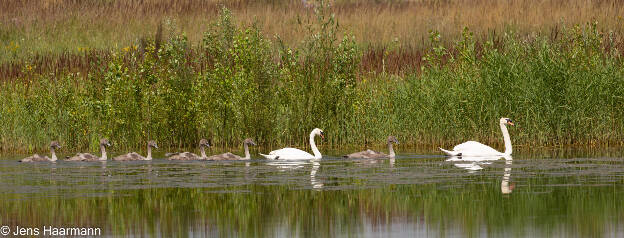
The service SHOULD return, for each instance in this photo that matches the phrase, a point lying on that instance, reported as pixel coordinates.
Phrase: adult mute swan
(296, 154)
(473, 148)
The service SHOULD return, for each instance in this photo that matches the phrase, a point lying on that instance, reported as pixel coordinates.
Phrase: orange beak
(510, 123)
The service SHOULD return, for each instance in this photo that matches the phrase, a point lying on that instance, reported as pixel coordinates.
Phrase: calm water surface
(553, 194)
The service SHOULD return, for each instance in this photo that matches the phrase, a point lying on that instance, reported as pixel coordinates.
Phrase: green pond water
(569, 193)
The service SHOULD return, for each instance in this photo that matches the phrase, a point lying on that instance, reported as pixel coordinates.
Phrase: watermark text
(49, 231)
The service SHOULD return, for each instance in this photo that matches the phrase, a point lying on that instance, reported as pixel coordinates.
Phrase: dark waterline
(563, 193)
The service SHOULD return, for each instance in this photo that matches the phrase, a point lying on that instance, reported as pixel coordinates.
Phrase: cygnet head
(105, 142)
(249, 141)
(392, 139)
(204, 143)
(55, 145)
(318, 132)
(152, 144)
(506, 121)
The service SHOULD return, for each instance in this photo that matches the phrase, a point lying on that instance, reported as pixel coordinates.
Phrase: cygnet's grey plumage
(371, 154)
(203, 143)
(42, 158)
(136, 156)
(91, 157)
(229, 156)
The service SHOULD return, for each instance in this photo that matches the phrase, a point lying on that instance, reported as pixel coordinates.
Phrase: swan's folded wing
(367, 154)
(74, 158)
(171, 154)
(41, 158)
(224, 156)
(34, 158)
(291, 153)
(183, 156)
(450, 153)
(89, 157)
(473, 147)
(128, 157)
(269, 156)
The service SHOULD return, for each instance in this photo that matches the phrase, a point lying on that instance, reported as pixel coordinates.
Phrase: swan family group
(466, 149)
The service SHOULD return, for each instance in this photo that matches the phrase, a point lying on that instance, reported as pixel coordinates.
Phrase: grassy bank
(237, 83)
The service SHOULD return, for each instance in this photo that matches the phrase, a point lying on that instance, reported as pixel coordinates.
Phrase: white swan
(473, 148)
(297, 154)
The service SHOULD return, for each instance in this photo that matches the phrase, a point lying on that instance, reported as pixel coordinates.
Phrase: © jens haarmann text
(50, 231)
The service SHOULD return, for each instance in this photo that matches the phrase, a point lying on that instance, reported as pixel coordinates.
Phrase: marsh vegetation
(233, 80)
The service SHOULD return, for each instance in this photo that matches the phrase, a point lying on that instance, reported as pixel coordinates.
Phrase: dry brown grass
(44, 29)
(120, 23)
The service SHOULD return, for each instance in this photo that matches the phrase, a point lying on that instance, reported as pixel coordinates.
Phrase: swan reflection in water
(474, 164)
(507, 188)
(316, 184)
(375, 162)
(298, 164)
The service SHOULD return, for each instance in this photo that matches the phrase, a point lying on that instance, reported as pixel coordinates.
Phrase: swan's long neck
(390, 150)
(317, 153)
(103, 149)
(203, 152)
(506, 138)
(247, 155)
(149, 153)
(53, 154)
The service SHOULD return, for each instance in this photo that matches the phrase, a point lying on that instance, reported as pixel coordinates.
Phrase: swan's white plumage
(297, 154)
(473, 148)
(288, 154)
(476, 149)
(273, 157)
